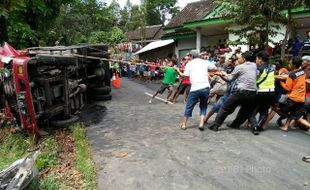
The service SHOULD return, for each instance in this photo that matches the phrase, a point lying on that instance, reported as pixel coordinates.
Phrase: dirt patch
(66, 172)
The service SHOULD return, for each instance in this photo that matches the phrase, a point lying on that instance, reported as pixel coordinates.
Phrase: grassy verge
(12, 148)
(84, 161)
(64, 161)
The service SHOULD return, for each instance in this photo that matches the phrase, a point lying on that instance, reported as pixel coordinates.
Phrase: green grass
(13, 148)
(49, 182)
(84, 161)
(49, 153)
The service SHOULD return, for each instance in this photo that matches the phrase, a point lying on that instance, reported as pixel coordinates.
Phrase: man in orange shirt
(295, 85)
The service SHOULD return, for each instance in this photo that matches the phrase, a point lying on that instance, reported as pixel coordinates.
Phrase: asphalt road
(139, 146)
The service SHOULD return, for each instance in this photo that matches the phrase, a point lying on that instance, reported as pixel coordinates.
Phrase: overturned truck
(49, 85)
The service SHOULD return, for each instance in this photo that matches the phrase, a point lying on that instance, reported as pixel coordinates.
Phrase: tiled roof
(151, 33)
(192, 12)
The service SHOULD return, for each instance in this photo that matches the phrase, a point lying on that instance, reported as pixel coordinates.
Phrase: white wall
(213, 40)
(232, 37)
(280, 36)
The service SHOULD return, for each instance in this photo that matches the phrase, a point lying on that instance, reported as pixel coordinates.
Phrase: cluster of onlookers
(260, 86)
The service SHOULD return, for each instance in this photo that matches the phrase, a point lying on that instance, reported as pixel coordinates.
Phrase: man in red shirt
(152, 68)
(185, 84)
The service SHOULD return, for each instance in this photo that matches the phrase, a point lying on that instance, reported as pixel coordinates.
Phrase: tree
(157, 11)
(23, 22)
(125, 16)
(115, 9)
(82, 21)
(257, 19)
(260, 19)
(5, 11)
(288, 5)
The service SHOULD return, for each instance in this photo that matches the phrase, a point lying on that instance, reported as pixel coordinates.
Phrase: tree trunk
(267, 34)
(287, 32)
(3, 30)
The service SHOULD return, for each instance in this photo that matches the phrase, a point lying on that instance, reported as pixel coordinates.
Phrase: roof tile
(193, 12)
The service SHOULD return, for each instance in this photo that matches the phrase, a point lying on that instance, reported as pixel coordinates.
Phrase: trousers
(244, 99)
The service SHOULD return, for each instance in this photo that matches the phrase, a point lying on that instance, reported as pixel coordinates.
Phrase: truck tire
(107, 76)
(101, 97)
(105, 90)
(65, 122)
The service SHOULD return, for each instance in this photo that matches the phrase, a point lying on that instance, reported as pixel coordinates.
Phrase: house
(145, 35)
(200, 24)
(150, 39)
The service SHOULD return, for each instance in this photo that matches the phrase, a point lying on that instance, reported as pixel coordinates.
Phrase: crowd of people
(260, 86)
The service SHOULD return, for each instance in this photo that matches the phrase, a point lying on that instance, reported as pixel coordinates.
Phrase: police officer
(265, 93)
(245, 75)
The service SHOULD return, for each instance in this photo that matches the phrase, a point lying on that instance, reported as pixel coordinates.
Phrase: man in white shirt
(197, 70)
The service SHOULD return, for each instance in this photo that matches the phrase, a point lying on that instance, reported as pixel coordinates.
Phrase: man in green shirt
(169, 80)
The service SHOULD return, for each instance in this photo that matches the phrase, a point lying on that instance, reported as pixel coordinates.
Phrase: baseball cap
(306, 58)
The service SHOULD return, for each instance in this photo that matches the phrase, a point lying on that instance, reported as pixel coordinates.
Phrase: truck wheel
(105, 90)
(107, 76)
(65, 122)
(101, 97)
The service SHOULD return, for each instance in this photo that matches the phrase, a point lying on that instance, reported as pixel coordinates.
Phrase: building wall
(302, 32)
(183, 46)
(213, 40)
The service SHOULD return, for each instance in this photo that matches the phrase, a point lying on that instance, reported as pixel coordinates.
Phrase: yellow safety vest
(266, 81)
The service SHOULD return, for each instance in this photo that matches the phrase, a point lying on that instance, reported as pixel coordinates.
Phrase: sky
(181, 3)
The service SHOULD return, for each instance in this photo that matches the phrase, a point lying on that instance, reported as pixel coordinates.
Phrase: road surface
(140, 146)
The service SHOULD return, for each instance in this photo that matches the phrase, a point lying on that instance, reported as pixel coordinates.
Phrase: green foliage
(49, 182)
(21, 35)
(12, 149)
(112, 38)
(49, 154)
(117, 36)
(260, 18)
(26, 20)
(84, 161)
(158, 10)
(98, 37)
(28, 23)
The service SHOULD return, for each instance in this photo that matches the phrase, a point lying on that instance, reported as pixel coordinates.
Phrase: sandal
(283, 129)
(306, 159)
(201, 128)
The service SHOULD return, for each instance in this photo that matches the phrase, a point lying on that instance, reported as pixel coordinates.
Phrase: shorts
(307, 104)
(183, 88)
(193, 98)
(163, 87)
(152, 74)
(296, 109)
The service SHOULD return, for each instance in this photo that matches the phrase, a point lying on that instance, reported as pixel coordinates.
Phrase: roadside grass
(84, 161)
(12, 149)
(52, 172)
